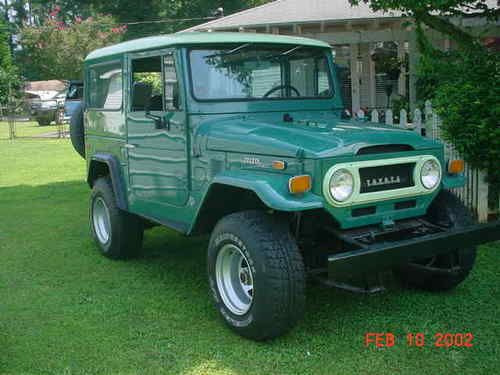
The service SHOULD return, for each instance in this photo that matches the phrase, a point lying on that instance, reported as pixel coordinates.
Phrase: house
(358, 35)
(45, 90)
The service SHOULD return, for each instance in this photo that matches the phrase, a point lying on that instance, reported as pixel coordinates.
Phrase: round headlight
(341, 185)
(430, 175)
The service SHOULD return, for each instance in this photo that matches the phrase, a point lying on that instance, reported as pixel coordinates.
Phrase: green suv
(243, 137)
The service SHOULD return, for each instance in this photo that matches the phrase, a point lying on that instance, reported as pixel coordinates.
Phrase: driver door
(156, 143)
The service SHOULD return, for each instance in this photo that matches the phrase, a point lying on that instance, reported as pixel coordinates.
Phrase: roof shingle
(295, 11)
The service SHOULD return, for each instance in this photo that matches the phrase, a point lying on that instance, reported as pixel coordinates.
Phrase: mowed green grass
(64, 309)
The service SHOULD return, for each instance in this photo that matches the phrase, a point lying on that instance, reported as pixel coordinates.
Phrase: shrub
(465, 95)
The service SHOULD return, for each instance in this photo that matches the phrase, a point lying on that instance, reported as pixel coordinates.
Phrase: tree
(56, 49)
(5, 56)
(9, 80)
(462, 83)
(437, 14)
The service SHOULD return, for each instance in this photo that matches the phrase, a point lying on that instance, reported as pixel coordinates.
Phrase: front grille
(383, 149)
(386, 177)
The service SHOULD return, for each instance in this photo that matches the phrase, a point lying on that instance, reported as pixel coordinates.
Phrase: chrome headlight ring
(430, 174)
(341, 185)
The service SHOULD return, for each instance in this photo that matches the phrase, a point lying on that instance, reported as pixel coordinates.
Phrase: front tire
(117, 233)
(256, 275)
(443, 272)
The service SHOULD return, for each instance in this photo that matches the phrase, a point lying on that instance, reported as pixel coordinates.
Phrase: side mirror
(141, 96)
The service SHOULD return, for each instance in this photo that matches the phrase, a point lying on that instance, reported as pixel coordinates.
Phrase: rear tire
(443, 272)
(256, 275)
(118, 234)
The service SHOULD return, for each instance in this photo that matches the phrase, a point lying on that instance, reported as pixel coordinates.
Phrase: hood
(314, 139)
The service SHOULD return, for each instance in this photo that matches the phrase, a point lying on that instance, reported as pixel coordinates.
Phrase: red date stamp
(439, 340)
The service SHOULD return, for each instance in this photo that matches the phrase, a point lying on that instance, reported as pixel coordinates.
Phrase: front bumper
(373, 255)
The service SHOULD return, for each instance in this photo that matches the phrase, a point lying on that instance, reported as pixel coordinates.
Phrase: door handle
(160, 122)
(129, 146)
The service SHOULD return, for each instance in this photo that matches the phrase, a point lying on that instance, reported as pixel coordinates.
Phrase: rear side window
(105, 88)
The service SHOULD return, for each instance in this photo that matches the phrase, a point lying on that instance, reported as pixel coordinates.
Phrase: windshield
(260, 72)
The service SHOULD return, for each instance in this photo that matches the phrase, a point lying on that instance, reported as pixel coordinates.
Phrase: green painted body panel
(167, 173)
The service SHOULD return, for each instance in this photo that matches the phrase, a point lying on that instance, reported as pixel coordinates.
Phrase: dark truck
(241, 136)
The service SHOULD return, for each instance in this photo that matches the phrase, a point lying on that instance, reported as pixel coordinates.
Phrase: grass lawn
(64, 309)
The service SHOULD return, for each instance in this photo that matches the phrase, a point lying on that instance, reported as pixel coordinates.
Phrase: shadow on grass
(156, 309)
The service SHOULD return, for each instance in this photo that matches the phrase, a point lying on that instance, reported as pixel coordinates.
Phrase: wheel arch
(248, 192)
(102, 165)
(213, 209)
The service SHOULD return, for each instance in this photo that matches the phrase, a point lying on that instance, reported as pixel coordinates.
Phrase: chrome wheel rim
(101, 221)
(234, 279)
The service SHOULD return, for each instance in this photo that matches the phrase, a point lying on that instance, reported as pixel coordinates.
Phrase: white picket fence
(475, 193)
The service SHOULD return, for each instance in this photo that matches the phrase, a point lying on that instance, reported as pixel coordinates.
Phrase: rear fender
(106, 164)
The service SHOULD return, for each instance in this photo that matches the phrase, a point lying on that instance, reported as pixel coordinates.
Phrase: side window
(105, 89)
(172, 97)
(147, 71)
(163, 83)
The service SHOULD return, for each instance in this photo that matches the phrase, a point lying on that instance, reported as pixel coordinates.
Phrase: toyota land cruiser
(241, 136)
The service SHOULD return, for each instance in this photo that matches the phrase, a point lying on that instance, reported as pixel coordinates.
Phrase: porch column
(372, 79)
(402, 74)
(355, 87)
(413, 57)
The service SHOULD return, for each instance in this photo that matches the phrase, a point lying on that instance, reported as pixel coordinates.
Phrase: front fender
(271, 188)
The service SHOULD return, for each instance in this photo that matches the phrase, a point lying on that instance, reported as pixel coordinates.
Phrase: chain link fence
(35, 119)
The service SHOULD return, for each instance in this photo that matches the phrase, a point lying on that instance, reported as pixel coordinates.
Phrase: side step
(368, 287)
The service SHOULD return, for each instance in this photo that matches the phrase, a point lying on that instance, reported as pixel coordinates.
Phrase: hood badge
(252, 161)
(391, 180)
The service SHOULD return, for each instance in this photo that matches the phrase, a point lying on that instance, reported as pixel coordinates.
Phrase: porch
(376, 52)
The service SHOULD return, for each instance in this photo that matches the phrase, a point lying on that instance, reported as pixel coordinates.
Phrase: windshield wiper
(230, 52)
(284, 53)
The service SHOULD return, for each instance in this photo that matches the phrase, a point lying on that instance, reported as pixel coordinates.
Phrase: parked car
(45, 99)
(45, 111)
(241, 136)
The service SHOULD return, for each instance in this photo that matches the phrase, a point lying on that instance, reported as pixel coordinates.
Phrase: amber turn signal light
(279, 165)
(299, 184)
(456, 166)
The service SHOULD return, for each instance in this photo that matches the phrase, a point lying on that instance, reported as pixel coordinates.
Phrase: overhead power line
(170, 20)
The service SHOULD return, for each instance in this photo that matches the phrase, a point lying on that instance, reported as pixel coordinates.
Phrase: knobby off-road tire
(76, 131)
(117, 233)
(270, 269)
(430, 274)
